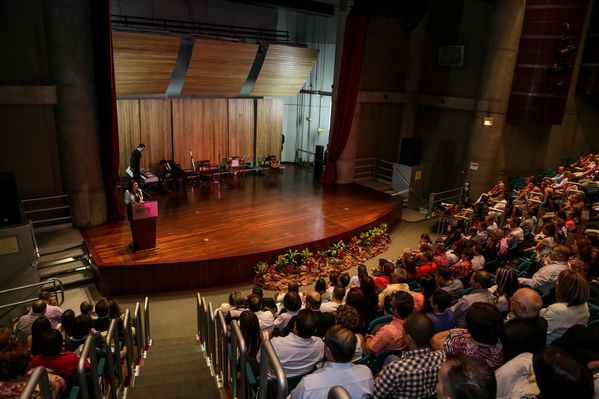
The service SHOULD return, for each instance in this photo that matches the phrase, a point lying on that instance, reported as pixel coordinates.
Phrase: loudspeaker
(318, 161)
(410, 151)
(10, 212)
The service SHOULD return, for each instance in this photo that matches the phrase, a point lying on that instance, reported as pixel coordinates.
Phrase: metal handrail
(112, 340)
(128, 342)
(338, 392)
(89, 350)
(52, 280)
(45, 198)
(270, 361)
(138, 331)
(211, 333)
(147, 338)
(39, 376)
(205, 325)
(238, 365)
(199, 316)
(456, 194)
(222, 333)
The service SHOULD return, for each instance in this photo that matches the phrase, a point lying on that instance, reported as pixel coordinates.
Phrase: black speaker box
(410, 151)
(318, 161)
(10, 212)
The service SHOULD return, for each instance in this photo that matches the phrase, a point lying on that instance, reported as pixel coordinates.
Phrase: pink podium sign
(145, 210)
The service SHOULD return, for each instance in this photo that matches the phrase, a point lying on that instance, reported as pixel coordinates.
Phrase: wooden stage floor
(213, 235)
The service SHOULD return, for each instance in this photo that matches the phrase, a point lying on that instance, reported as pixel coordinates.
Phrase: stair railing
(114, 358)
(222, 335)
(39, 376)
(270, 362)
(128, 342)
(147, 337)
(139, 333)
(238, 364)
(455, 195)
(338, 392)
(211, 333)
(89, 351)
(206, 326)
(33, 289)
(200, 317)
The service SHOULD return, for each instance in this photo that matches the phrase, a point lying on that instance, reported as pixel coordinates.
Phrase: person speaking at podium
(133, 195)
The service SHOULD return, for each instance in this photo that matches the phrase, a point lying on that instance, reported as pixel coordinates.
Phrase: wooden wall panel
(143, 63)
(241, 128)
(200, 125)
(269, 128)
(129, 131)
(218, 68)
(155, 123)
(284, 71)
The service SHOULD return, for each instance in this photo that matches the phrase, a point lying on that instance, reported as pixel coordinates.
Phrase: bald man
(325, 319)
(526, 331)
(545, 278)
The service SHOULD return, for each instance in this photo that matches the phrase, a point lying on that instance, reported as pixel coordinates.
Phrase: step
(61, 253)
(164, 391)
(77, 278)
(61, 269)
(181, 367)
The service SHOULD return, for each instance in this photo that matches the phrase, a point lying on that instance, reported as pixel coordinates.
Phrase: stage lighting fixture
(565, 51)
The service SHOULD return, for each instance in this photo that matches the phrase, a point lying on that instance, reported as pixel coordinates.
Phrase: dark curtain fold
(106, 105)
(350, 71)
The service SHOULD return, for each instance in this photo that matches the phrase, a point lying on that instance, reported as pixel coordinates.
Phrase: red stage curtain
(350, 72)
(106, 103)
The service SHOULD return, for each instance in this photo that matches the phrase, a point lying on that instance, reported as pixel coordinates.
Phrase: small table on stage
(143, 225)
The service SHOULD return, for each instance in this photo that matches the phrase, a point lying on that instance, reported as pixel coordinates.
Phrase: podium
(143, 225)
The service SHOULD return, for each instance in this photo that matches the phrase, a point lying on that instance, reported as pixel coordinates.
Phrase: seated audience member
(14, 362)
(5, 337)
(440, 259)
(344, 279)
(67, 321)
(53, 312)
(570, 308)
(102, 322)
(339, 344)
(383, 275)
(321, 287)
(414, 375)
(546, 245)
(526, 331)
(582, 342)
(237, 303)
(544, 279)
(362, 272)
(582, 255)
(267, 303)
(356, 299)
(291, 286)
(81, 329)
(336, 300)
(442, 317)
(516, 234)
(250, 329)
(446, 282)
(87, 307)
(560, 376)
(299, 351)
(265, 317)
(333, 281)
(35, 339)
(463, 267)
(292, 304)
(464, 377)
(390, 336)
(349, 318)
(516, 378)
(506, 283)
(399, 279)
(23, 326)
(55, 358)
(479, 340)
(369, 290)
(325, 319)
(480, 281)
(428, 266)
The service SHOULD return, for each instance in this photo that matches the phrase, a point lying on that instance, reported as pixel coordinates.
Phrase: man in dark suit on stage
(134, 163)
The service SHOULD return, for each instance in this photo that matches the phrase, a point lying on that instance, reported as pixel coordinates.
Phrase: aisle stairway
(174, 368)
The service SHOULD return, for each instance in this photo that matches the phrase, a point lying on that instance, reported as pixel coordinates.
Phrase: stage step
(76, 278)
(61, 269)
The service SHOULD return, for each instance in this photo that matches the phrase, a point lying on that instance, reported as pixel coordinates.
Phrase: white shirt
(478, 262)
(330, 307)
(545, 278)
(298, 356)
(516, 378)
(356, 379)
(266, 320)
(560, 317)
(283, 319)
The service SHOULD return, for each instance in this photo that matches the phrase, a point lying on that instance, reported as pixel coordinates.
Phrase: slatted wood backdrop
(218, 68)
(284, 71)
(143, 63)
(269, 128)
(212, 129)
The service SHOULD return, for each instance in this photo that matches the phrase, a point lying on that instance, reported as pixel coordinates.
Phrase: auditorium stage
(213, 234)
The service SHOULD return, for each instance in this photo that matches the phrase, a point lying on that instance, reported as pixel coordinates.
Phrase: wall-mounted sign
(473, 166)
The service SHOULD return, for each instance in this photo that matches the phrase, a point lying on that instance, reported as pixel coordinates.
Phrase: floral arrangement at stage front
(306, 267)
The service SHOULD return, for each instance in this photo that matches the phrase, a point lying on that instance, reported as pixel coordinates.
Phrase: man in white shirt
(265, 317)
(299, 351)
(340, 344)
(336, 300)
(545, 278)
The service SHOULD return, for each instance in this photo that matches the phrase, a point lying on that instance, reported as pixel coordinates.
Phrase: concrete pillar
(71, 56)
(496, 82)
